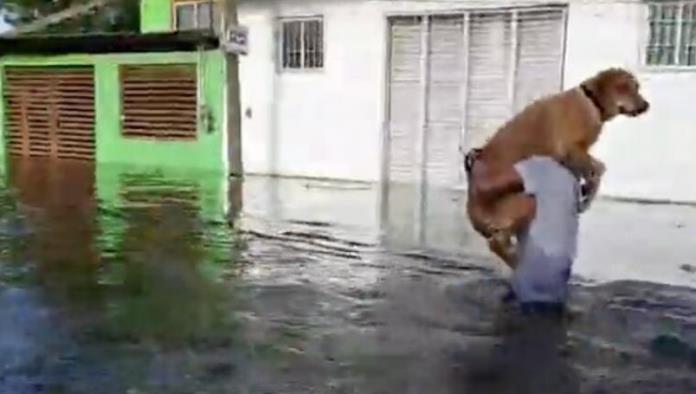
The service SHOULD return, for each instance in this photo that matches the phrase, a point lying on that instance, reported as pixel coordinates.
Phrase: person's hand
(589, 190)
(599, 170)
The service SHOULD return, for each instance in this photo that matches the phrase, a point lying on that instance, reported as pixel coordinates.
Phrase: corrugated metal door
(540, 40)
(490, 74)
(405, 99)
(404, 129)
(50, 111)
(454, 80)
(445, 108)
(443, 138)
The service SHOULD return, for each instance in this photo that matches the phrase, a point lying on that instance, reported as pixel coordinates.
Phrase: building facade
(155, 98)
(395, 91)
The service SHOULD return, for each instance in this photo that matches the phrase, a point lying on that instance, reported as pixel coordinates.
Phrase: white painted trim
(464, 93)
(514, 56)
(677, 44)
(492, 7)
(385, 145)
(423, 137)
(564, 43)
(424, 96)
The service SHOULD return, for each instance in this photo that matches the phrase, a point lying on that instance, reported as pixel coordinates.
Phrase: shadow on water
(122, 280)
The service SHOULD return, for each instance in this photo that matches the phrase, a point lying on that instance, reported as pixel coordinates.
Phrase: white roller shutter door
(453, 81)
(539, 71)
(488, 87)
(405, 127)
(445, 109)
(405, 99)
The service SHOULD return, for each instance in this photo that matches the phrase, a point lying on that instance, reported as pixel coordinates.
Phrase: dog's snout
(642, 107)
(645, 107)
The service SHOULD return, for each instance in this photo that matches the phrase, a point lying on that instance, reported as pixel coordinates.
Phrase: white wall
(323, 123)
(329, 123)
(651, 157)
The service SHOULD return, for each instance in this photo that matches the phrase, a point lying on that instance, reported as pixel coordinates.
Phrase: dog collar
(590, 95)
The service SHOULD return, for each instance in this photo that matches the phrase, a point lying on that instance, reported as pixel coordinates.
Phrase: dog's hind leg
(513, 214)
(500, 243)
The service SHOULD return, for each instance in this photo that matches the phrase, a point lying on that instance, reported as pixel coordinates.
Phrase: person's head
(616, 92)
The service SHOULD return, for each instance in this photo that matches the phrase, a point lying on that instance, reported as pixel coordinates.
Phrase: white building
(392, 90)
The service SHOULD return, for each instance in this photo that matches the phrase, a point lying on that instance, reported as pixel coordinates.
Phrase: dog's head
(616, 91)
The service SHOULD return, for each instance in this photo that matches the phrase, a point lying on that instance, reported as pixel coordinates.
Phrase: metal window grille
(197, 15)
(302, 43)
(672, 33)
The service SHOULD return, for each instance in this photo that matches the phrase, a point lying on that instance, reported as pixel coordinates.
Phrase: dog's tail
(470, 158)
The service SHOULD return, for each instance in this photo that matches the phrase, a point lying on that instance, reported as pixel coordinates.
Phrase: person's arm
(588, 192)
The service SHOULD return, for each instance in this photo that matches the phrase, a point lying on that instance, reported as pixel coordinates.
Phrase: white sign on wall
(236, 40)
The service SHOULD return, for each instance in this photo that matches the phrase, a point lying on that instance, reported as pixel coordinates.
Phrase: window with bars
(302, 43)
(672, 33)
(197, 15)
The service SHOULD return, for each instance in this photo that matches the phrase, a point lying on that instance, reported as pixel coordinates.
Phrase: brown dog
(563, 126)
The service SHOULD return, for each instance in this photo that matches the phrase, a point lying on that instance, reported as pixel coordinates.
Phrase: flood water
(121, 280)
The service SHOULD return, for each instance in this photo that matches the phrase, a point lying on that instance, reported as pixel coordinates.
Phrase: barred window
(672, 34)
(197, 15)
(302, 43)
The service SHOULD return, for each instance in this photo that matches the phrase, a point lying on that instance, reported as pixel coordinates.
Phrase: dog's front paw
(598, 169)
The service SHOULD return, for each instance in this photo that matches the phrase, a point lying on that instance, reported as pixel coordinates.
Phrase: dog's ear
(600, 87)
(602, 81)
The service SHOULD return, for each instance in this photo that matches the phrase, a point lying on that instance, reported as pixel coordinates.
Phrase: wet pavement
(121, 280)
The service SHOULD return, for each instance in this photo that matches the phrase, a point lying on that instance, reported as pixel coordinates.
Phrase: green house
(154, 98)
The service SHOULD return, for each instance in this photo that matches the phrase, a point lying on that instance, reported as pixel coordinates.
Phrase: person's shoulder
(545, 160)
(539, 164)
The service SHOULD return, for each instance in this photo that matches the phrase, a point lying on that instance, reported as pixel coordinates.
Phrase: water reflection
(121, 256)
(115, 280)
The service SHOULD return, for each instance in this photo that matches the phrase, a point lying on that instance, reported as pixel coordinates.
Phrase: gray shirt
(549, 246)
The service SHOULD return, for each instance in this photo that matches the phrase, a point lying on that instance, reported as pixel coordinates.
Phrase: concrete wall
(206, 152)
(329, 123)
(324, 123)
(650, 157)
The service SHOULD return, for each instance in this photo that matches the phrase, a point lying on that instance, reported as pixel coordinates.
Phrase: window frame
(646, 21)
(196, 4)
(198, 128)
(281, 44)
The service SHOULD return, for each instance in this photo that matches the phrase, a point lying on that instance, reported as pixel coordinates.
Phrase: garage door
(488, 86)
(50, 112)
(406, 98)
(453, 80)
(444, 104)
(539, 68)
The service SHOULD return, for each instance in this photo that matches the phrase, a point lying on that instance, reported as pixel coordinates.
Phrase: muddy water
(118, 280)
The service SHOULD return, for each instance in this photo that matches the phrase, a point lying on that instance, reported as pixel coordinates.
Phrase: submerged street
(115, 280)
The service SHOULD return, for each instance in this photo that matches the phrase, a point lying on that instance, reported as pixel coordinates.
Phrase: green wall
(206, 152)
(155, 15)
